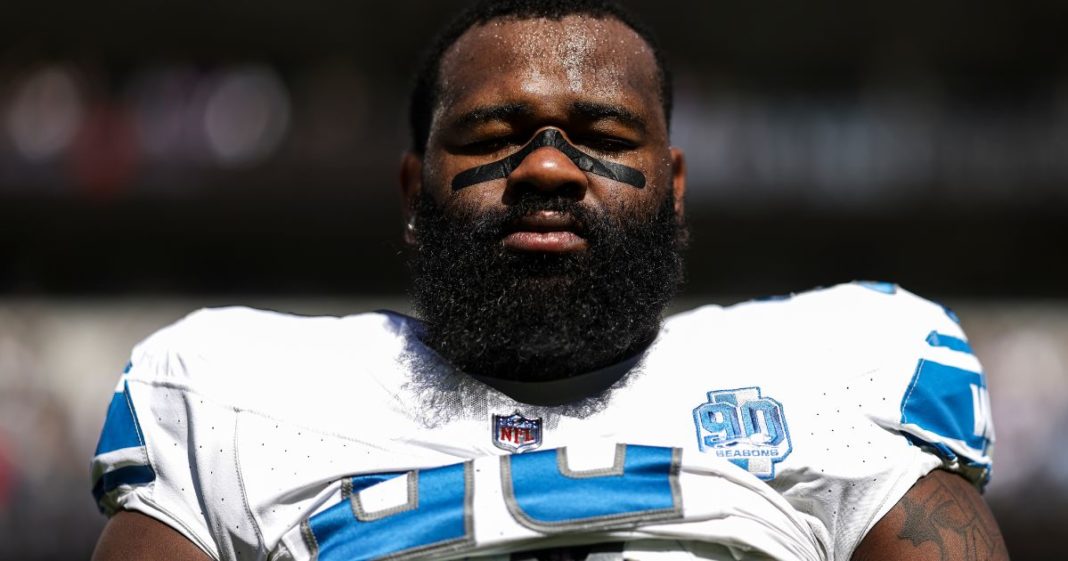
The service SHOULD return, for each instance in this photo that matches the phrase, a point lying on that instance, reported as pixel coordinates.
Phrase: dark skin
(941, 518)
(504, 81)
(595, 80)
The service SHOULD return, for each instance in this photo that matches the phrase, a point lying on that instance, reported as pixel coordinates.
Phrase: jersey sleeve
(913, 399)
(141, 463)
(932, 389)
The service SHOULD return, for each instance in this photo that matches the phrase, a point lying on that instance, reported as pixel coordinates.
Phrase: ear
(678, 182)
(411, 184)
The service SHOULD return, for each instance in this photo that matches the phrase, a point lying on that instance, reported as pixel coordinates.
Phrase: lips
(546, 232)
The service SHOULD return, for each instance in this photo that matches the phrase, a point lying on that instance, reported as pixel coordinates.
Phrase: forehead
(538, 60)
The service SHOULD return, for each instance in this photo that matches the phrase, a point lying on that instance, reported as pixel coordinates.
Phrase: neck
(565, 389)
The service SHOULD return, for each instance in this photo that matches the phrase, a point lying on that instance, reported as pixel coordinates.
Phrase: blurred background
(158, 158)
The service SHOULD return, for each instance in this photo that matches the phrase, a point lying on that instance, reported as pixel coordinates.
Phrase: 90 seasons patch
(745, 428)
(516, 433)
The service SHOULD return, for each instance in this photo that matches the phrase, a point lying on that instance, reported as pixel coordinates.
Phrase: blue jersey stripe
(945, 400)
(878, 286)
(129, 475)
(936, 339)
(120, 427)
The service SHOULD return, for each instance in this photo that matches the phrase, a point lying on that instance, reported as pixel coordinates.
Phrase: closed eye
(489, 145)
(606, 144)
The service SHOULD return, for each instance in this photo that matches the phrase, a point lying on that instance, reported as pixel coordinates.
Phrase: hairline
(662, 74)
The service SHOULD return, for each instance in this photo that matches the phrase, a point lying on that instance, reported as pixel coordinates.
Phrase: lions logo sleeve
(922, 405)
(142, 462)
(840, 399)
(940, 401)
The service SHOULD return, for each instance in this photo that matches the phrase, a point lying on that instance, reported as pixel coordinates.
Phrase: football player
(540, 408)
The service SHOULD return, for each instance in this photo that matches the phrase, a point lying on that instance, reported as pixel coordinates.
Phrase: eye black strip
(554, 138)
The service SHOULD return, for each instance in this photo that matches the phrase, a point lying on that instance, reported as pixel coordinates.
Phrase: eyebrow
(594, 111)
(490, 113)
(587, 110)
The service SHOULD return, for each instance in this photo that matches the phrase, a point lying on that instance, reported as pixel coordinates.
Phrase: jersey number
(540, 491)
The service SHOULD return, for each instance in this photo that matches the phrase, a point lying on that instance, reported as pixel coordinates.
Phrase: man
(540, 410)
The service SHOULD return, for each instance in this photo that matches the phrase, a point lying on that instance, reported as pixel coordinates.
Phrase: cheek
(662, 171)
(470, 201)
(627, 200)
(437, 181)
(479, 198)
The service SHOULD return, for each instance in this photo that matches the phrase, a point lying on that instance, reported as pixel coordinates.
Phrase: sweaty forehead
(573, 58)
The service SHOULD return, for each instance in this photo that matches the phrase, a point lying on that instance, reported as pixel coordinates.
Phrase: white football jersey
(775, 429)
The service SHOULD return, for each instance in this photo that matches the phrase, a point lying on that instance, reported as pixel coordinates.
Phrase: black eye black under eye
(554, 138)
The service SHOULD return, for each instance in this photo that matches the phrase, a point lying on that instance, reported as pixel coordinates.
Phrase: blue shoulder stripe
(128, 475)
(948, 401)
(121, 429)
(936, 339)
(878, 286)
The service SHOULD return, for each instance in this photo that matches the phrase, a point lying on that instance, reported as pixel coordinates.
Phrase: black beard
(541, 316)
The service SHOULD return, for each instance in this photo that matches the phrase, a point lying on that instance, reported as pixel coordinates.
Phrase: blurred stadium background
(159, 158)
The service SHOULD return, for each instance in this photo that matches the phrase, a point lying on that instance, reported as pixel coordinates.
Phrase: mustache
(500, 222)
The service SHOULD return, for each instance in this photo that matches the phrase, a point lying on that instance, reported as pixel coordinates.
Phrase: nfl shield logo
(516, 433)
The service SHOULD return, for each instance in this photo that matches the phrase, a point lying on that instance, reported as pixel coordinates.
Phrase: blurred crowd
(79, 129)
(72, 130)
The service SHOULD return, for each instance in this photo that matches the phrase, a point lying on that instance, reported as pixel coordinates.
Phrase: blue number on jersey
(543, 494)
(437, 518)
(948, 401)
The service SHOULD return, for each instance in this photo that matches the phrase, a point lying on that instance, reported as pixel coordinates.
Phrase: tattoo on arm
(941, 518)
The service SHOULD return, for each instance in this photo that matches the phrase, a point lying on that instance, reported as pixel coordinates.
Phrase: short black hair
(425, 90)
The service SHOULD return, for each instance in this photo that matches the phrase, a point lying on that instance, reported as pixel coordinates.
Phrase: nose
(548, 171)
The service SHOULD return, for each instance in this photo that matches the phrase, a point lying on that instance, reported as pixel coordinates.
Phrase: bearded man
(540, 408)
